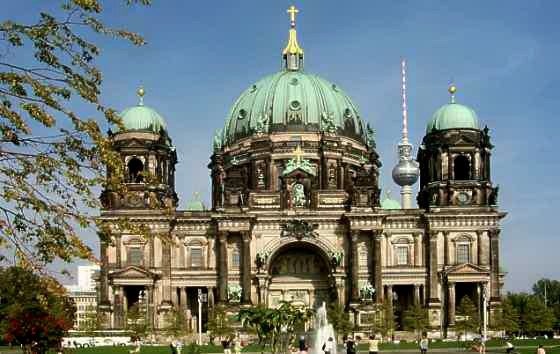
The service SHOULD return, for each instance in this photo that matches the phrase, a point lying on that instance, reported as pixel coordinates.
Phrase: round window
(295, 105)
(242, 114)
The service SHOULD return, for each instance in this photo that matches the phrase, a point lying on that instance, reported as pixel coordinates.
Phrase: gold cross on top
(293, 11)
(298, 153)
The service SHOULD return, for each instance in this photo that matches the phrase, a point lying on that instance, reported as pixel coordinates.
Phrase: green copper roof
(453, 116)
(388, 203)
(142, 118)
(293, 101)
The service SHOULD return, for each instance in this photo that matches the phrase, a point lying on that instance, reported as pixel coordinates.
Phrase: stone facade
(258, 245)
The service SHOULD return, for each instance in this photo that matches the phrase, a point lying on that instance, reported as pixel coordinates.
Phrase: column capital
(222, 236)
(479, 233)
(433, 234)
(450, 284)
(354, 234)
(246, 236)
(494, 233)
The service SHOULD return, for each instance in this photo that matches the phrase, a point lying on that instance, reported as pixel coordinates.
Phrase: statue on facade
(218, 141)
(261, 123)
(370, 136)
(298, 195)
(328, 122)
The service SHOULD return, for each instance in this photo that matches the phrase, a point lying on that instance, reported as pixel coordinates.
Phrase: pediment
(133, 272)
(466, 268)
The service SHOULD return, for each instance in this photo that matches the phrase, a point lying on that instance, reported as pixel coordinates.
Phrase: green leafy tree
(340, 319)
(505, 318)
(549, 289)
(468, 319)
(136, 322)
(387, 323)
(177, 323)
(220, 324)
(415, 319)
(536, 317)
(277, 326)
(34, 311)
(53, 158)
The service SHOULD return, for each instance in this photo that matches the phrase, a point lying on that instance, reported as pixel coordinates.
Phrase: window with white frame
(196, 257)
(402, 255)
(463, 253)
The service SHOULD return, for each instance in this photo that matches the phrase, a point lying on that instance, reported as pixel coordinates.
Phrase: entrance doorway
(299, 273)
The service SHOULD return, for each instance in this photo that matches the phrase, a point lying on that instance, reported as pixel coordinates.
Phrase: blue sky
(501, 54)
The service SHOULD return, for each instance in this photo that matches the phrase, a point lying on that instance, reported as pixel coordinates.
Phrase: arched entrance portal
(299, 273)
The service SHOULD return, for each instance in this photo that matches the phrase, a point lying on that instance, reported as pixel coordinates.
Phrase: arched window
(462, 168)
(135, 168)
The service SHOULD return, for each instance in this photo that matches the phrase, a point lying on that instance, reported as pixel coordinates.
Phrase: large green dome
(293, 101)
(453, 116)
(142, 118)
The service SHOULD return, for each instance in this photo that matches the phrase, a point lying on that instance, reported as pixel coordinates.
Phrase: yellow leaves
(38, 114)
(88, 5)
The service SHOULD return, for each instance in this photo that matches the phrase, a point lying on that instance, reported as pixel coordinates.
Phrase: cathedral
(297, 213)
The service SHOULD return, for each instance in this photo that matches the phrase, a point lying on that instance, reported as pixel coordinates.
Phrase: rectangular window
(235, 259)
(402, 255)
(463, 254)
(196, 257)
(135, 256)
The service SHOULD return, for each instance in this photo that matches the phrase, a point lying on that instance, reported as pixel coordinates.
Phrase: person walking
(328, 346)
(350, 345)
(424, 345)
(237, 345)
(541, 350)
(301, 345)
(509, 347)
(373, 346)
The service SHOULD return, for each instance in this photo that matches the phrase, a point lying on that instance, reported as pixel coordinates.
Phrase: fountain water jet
(323, 330)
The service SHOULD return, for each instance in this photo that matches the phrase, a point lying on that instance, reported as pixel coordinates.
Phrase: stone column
(118, 251)
(355, 294)
(175, 296)
(416, 294)
(494, 265)
(166, 272)
(446, 248)
(451, 303)
(246, 272)
(263, 293)
(119, 307)
(210, 292)
(223, 268)
(152, 252)
(377, 269)
(390, 297)
(417, 250)
(183, 299)
(103, 276)
(433, 267)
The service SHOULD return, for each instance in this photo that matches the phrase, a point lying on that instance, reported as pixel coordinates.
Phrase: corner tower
(455, 159)
(149, 159)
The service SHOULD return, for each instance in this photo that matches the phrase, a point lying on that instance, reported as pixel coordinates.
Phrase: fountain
(323, 330)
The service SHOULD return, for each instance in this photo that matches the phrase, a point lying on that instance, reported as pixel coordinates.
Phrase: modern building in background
(297, 213)
(84, 294)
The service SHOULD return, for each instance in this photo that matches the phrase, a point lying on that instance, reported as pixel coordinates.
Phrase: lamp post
(201, 298)
(484, 310)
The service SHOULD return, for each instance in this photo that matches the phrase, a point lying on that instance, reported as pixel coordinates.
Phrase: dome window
(334, 87)
(253, 88)
(348, 113)
(294, 81)
(462, 168)
(242, 114)
(135, 168)
(295, 105)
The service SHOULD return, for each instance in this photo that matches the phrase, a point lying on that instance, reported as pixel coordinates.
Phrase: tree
(177, 323)
(550, 288)
(52, 158)
(387, 322)
(34, 311)
(468, 319)
(277, 326)
(219, 323)
(505, 318)
(536, 317)
(339, 319)
(415, 318)
(136, 322)
(92, 321)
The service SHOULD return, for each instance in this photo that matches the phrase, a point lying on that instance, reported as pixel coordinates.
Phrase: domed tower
(149, 160)
(406, 172)
(294, 140)
(455, 159)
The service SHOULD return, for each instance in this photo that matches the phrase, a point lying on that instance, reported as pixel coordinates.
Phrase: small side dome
(142, 117)
(195, 204)
(453, 116)
(388, 203)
